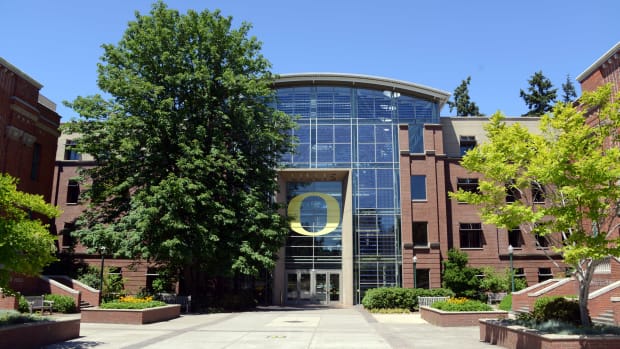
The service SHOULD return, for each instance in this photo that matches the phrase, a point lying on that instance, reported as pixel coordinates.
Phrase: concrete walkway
(280, 327)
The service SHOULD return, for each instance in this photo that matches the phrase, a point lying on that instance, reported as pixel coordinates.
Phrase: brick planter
(131, 316)
(517, 337)
(39, 334)
(458, 318)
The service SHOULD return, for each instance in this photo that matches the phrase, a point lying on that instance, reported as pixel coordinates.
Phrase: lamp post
(512, 273)
(102, 251)
(415, 260)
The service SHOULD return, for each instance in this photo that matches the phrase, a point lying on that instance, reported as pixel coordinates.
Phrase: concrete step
(606, 318)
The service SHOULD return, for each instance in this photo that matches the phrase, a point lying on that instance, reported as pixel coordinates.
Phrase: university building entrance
(313, 287)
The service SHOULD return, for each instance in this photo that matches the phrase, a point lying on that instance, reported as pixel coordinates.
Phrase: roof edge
(598, 62)
(437, 95)
(23, 75)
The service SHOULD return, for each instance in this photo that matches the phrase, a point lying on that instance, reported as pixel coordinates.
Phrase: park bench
(39, 303)
(169, 298)
(495, 297)
(428, 301)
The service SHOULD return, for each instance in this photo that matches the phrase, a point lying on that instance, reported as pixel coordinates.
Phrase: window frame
(467, 229)
(420, 225)
(415, 197)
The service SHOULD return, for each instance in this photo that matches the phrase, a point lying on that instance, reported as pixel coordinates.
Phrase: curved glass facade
(356, 129)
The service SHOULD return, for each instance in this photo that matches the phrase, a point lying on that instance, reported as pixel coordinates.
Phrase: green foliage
(541, 95)
(187, 147)
(130, 305)
(113, 284)
(496, 282)
(11, 317)
(26, 246)
(399, 298)
(62, 303)
(462, 103)
(578, 166)
(556, 308)
(506, 303)
(23, 305)
(390, 311)
(460, 278)
(461, 305)
(568, 91)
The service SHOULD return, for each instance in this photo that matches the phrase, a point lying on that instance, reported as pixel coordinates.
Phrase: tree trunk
(584, 293)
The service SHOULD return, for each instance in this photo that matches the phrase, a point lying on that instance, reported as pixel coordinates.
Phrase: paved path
(277, 327)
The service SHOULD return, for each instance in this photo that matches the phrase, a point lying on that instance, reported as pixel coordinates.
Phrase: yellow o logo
(333, 214)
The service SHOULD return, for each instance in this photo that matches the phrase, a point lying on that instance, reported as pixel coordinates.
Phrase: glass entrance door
(318, 287)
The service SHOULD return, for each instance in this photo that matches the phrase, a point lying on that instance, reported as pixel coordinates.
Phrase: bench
(39, 303)
(495, 297)
(428, 301)
(169, 298)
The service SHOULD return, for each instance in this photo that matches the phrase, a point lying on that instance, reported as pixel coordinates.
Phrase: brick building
(604, 70)
(28, 131)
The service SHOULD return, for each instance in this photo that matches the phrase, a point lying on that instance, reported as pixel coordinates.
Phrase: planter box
(131, 316)
(39, 334)
(458, 318)
(518, 337)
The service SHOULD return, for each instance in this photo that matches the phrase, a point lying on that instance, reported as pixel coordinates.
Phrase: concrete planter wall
(39, 334)
(458, 318)
(517, 337)
(131, 316)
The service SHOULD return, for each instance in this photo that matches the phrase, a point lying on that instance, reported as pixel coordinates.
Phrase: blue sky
(500, 44)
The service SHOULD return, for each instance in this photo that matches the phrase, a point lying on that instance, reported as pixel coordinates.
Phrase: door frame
(314, 299)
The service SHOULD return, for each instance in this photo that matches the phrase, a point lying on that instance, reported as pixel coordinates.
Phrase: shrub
(11, 317)
(399, 298)
(460, 278)
(461, 304)
(62, 303)
(23, 305)
(506, 303)
(130, 302)
(556, 308)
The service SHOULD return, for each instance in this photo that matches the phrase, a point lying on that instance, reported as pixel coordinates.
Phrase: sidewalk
(280, 327)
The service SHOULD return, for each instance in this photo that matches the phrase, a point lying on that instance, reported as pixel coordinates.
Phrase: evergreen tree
(568, 90)
(541, 96)
(187, 148)
(464, 106)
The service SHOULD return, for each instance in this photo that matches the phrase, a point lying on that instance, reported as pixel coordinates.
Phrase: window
(73, 192)
(422, 278)
(538, 193)
(70, 152)
(467, 184)
(467, 143)
(471, 235)
(541, 241)
(520, 273)
(36, 162)
(420, 234)
(512, 193)
(544, 274)
(418, 187)
(515, 238)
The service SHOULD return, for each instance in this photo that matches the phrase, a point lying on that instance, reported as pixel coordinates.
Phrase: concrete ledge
(131, 316)
(518, 337)
(39, 334)
(458, 318)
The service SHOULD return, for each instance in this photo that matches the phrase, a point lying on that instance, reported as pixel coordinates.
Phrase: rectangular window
(70, 152)
(538, 193)
(471, 235)
(36, 162)
(418, 187)
(520, 273)
(467, 143)
(422, 278)
(416, 138)
(468, 184)
(512, 193)
(73, 192)
(515, 238)
(544, 274)
(420, 234)
(541, 241)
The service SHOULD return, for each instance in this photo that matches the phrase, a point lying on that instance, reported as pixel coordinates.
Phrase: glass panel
(416, 138)
(304, 287)
(321, 287)
(418, 187)
(334, 287)
(291, 287)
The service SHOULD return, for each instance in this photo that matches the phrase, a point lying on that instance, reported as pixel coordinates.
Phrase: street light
(102, 251)
(512, 273)
(415, 260)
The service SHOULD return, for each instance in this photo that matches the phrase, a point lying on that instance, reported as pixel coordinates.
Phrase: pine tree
(569, 90)
(462, 103)
(541, 96)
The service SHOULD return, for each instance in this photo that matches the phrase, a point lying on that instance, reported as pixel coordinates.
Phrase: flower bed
(39, 334)
(518, 337)
(131, 316)
(458, 318)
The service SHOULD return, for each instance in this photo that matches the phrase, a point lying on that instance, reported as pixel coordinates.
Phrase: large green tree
(26, 245)
(540, 96)
(187, 148)
(462, 102)
(577, 164)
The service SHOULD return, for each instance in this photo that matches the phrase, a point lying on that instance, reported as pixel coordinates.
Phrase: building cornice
(604, 58)
(23, 75)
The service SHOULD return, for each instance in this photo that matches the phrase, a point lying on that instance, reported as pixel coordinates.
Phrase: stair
(524, 309)
(606, 318)
(85, 304)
